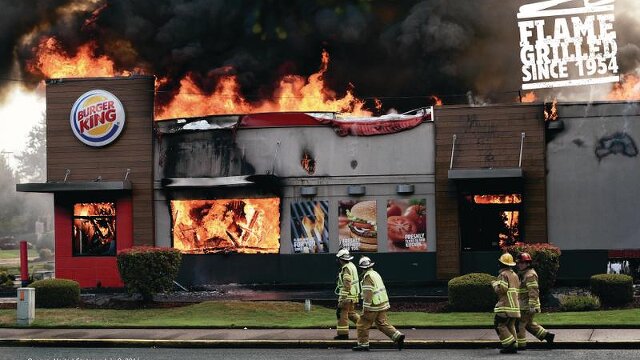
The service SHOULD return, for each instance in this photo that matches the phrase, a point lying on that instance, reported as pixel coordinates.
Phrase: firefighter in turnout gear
(375, 303)
(507, 310)
(348, 291)
(529, 303)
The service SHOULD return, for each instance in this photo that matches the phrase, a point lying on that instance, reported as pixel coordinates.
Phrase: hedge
(612, 289)
(579, 303)
(56, 293)
(546, 262)
(472, 292)
(149, 270)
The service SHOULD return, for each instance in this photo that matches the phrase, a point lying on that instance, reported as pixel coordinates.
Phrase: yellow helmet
(507, 259)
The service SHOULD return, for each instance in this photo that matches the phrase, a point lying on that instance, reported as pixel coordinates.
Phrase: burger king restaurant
(270, 198)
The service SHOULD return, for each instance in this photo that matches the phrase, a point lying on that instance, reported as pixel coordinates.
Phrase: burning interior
(491, 221)
(250, 226)
(94, 229)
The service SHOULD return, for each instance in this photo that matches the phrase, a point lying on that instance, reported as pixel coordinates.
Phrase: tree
(32, 161)
(11, 219)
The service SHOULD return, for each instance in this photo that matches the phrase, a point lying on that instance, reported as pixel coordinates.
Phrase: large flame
(498, 199)
(51, 61)
(528, 97)
(551, 111)
(627, 89)
(226, 225)
(294, 93)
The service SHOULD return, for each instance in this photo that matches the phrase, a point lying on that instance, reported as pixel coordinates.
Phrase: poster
(407, 225)
(310, 227)
(357, 227)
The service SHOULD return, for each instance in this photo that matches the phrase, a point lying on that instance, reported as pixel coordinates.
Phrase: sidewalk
(302, 338)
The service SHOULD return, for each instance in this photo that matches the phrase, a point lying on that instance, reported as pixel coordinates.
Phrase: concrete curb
(305, 344)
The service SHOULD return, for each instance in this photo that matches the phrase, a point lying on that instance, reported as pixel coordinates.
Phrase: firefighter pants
(345, 313)
(367, 319)
(526, 323)
(506, 329)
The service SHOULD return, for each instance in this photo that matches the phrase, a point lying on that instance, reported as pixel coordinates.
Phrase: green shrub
(579, 303)
(45, 254)
(612, 289)
(56, 293)
(6, 279)
(546, 262)
(148, 270)
(472, 292)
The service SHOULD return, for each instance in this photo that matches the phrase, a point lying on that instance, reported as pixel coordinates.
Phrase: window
(94, 229)
(490, 221)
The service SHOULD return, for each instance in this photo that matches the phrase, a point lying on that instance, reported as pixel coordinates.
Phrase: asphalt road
(45, 353)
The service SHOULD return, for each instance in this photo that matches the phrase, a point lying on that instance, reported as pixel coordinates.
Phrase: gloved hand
(532, 310)
(342, 303)
(494, 283)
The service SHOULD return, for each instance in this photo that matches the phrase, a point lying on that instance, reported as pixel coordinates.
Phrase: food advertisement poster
(407, 225)
(310, 227)
(357, 228)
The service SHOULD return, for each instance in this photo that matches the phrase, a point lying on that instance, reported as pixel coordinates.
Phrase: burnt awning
(75, 186)
(488, 173)
(227, 181)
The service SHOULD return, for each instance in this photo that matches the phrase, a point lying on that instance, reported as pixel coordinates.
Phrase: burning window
(490, 221)
(226, 225)
(94, 229)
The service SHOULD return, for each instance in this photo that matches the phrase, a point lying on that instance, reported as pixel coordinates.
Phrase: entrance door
(489, 221)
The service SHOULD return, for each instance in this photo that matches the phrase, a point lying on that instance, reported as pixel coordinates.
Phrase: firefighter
(375, 303)
(507, 310)
(348, 291)
(529, 304)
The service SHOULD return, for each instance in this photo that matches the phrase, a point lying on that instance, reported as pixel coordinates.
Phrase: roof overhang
(76, 186)
(489, 173)
(212, 182)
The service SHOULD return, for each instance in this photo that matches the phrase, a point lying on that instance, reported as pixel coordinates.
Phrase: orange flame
(498, 199)
(627, 89)
(51, 61)
(551, 111)
(94, 209)
(226, 225)
(438, 101)
(528, 97)
(294, 93)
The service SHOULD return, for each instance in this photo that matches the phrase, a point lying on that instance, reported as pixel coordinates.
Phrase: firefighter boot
(550, 337)
(341, 337)
(360, 348)
(400, 342)
(511, 349)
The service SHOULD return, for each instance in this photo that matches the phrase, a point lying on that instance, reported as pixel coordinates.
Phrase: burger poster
(407, 225)
(309, 227)
(357, 228)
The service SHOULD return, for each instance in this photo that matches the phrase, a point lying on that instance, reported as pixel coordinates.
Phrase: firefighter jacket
(529, 292)
(348, 286)
(507, 287)
(374, 294)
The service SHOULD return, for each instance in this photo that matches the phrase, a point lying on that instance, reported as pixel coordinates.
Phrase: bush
(45, 254)
(612, 289)
(148, 270)
(56, 293)
(472, 292)
(546, 262)
(6, 279)
(579, 303)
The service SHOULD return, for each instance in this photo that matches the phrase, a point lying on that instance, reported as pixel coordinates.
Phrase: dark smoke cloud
(400, 51)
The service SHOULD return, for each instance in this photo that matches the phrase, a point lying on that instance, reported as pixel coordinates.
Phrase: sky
(400, 52)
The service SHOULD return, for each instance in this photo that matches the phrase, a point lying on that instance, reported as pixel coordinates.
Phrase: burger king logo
(97, 118)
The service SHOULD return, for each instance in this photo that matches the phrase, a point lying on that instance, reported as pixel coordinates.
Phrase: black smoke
(401, 51)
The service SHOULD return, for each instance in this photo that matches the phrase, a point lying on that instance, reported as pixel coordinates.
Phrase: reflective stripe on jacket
(348, 286)
(507, 287)
(529, 290)
(374, 294)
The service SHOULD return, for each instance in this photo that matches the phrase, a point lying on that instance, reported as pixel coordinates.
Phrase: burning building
(270, 197)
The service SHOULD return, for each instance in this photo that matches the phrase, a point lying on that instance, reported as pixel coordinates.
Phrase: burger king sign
(97, 118)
